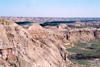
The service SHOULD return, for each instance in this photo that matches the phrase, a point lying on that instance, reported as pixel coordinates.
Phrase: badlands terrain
(59, 45)
(45, 19)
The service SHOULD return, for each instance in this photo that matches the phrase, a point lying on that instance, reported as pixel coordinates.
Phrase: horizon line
(50, 17)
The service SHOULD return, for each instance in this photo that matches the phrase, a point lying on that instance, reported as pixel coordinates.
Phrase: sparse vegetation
(82, 52)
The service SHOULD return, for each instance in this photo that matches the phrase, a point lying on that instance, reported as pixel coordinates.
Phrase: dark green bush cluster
(24, 23)
(54, 23)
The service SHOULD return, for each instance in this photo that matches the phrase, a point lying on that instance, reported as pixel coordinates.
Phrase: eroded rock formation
(30, 52)
(37, 46)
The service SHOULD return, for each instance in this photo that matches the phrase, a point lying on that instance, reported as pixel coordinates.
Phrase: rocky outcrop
(29, 51)
(78, 35)
(97, 33)
(37, 31)
(37, 46)
(65, 33)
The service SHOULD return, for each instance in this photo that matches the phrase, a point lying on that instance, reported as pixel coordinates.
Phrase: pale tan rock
(42, 47)
(28, 49)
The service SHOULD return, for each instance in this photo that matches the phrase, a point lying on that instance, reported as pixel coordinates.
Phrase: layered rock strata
(37, 46)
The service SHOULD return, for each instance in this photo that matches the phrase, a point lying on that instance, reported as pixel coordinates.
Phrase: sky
(50, 8)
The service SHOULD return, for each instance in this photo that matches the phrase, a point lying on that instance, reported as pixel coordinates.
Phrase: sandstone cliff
(63, 32)
(37, 46)
(20, 48)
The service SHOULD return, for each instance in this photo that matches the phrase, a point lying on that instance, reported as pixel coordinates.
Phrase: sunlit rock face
(27, 51)
(36, 46)
(65, 33)
(37, 31)
(80, 35)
